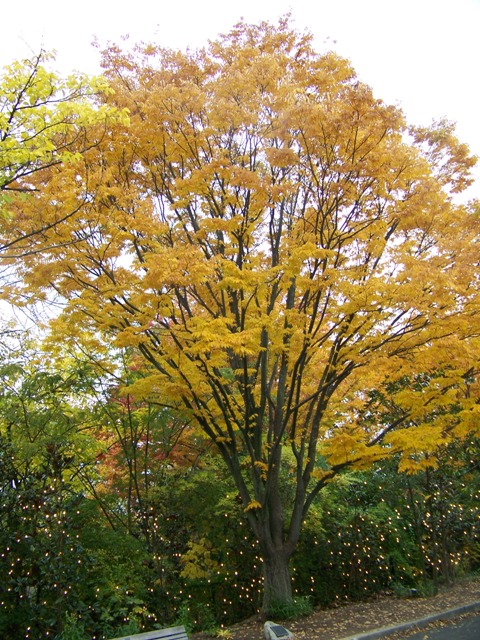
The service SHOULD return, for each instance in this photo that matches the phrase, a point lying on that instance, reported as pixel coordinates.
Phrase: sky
(421, 55)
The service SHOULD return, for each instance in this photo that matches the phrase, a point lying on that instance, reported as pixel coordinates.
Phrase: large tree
(275, 243)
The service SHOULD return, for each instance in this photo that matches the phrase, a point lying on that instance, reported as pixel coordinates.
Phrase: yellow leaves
(320, 474)
(349, 447)
(451, 160)
(283, 157)
(415, 439)
(411, 464)
(175, 267)
(253, 505)
(262, 467)
(41, 115)
(144, 388)
(198, 562)
(260, 232)
(247, 179)
(418, 446)
(205, 335)
(468, 420)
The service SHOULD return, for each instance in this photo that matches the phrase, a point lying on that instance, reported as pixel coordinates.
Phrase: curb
(415, 624)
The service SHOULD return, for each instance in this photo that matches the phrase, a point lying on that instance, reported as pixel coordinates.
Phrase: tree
(44, 121)
(276, 244)
(144, 441)
(64, 565)
(46, 439)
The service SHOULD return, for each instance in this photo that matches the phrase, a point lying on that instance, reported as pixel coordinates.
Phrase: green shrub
(195, 616)
(300, 606)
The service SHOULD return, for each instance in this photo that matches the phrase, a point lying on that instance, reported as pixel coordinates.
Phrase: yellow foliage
(263, 235)
(254, 504)
(198, 563)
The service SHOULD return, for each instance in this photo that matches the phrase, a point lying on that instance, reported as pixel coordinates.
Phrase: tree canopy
(44, 122)
(283, 253)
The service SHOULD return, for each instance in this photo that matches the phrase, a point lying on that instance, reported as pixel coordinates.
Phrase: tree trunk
(277, 584)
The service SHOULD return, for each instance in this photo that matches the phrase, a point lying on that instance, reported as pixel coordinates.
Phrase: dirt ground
(349, 619)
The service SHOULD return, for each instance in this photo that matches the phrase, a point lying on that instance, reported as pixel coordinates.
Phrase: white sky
(423, 55)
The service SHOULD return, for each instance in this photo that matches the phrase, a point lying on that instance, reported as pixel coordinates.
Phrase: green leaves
(36, 113)
(45, 121)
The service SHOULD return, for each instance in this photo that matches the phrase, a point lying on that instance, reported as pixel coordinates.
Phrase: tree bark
(276, 579)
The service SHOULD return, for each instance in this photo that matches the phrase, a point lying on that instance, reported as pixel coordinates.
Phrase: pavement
(414, 625)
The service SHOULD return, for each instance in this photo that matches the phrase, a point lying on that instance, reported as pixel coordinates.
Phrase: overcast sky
(423, 55)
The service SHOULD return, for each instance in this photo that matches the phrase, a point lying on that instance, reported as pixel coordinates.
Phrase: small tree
(44, 121)
(45, 439)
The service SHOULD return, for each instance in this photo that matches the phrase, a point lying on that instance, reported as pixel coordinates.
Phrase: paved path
(449, 617)
(467, 628)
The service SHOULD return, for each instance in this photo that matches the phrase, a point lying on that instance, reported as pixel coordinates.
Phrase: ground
(352, 618)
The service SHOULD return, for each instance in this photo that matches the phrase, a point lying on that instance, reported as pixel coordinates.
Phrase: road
(467, 628)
